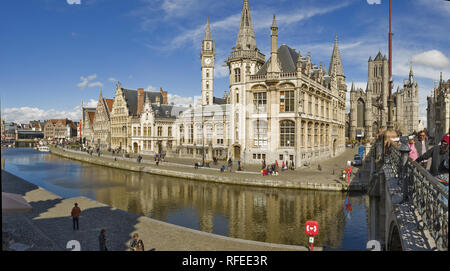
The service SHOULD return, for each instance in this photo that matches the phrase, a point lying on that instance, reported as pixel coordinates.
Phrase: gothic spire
(246, 35)
(207, 30)
(335, 63)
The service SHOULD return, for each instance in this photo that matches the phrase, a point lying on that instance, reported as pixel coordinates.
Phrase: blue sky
(56, 53)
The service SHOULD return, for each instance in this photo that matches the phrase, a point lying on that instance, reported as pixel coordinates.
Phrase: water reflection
(261, 214)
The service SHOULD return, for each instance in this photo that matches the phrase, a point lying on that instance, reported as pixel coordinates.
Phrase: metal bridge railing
(422, 190)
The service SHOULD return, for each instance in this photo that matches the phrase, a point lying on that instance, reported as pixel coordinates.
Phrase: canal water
(261, 214)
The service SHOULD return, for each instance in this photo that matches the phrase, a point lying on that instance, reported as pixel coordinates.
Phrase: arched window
(287, 133)
(361, 114)
(237, 75)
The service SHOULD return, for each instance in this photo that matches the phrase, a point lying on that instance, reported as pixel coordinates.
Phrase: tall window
(260, 133)
(260, 101)
(237, 96)
(287, 101)
(159, 131)
(191, 134)
(302, 135)
(316, 134)
(317, 107)
(310, 104)
(287, 133)
(199, 134)
(169, 131)
(208, 132)
(237, 75)
(219, 133)
(181, 133)
(309, 134)
(322, 113)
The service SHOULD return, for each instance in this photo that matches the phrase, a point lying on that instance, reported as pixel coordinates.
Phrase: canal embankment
(49, 226)
(296, 180)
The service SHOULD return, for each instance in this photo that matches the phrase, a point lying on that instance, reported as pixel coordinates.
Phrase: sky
(54, 54)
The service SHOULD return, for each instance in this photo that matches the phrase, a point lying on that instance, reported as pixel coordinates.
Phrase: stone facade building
(86, 124)
(152, 132)
(203, 130)
(438, 110)
(102, 123)
(129, 104)
(60, 129)
(369, 108)
(285, 108)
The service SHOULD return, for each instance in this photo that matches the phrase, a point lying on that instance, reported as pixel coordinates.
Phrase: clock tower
(207, 57)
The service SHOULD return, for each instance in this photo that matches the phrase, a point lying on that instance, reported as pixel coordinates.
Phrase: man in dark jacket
(439, 155)
(75, 215)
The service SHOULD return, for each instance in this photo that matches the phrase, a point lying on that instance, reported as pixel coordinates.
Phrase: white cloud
(432, 58)
(373, 2)
(112, 79)
(91, 103)
(150, 88)
(85, 82)
(72, 2)
(95, 84)
(179, 100)
(25, 114)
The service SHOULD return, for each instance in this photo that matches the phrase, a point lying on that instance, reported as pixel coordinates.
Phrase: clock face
(207, 60)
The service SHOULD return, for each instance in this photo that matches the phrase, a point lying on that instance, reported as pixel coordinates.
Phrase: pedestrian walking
(102, 240)
(136, 244)
(230, 164)
(263, 164)
(75, 215)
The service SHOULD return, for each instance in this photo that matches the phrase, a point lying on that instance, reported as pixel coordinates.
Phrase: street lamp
(203, 139)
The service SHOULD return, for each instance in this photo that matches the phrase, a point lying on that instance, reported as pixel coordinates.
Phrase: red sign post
(311, 229)
(349, 171)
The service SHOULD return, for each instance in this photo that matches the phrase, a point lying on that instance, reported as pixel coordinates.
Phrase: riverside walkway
(49, 227)
(326, 179)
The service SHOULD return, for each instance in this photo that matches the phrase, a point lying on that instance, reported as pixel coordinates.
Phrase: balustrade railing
(428, 196)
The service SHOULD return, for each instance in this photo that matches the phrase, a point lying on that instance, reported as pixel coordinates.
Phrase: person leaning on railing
(440, 160)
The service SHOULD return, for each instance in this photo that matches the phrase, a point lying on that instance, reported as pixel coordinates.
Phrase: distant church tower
(207, 55)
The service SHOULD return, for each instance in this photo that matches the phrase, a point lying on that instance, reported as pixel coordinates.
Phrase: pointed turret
(353, 87)
(246, 35)
(273, 67)
(336, 63)
(411, 74)
(207, 30)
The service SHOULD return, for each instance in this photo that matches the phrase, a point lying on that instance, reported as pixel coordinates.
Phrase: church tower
(207, 55)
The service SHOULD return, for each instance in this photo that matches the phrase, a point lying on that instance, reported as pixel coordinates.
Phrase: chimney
(164, 95)
(140, 100)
